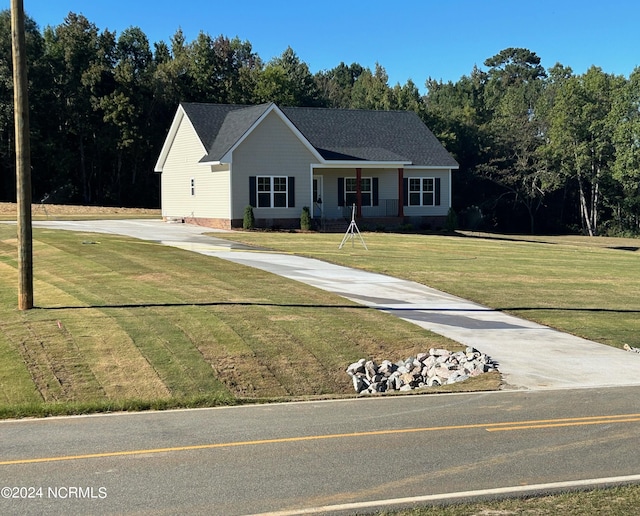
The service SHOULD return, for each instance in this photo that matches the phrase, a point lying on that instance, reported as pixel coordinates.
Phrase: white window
(422, 191)
(272, 191)
(193, 186)
(350, 192)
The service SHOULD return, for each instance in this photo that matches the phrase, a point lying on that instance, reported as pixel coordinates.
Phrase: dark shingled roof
(220, 126)
(337, 134)
(370, 135)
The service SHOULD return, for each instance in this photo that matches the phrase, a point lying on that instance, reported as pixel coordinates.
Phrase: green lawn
(126, 324)
(585, 286)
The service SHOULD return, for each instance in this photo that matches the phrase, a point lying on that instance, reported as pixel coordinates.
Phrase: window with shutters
(422, 191)
(350, 192)
(272, 191)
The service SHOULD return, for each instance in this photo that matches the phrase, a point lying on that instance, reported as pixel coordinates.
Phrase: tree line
(540, 150)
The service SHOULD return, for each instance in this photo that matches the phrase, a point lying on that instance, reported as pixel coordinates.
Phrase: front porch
(380, 198)
(342, 193)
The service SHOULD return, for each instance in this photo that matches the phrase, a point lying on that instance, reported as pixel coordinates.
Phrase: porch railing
(385, 208)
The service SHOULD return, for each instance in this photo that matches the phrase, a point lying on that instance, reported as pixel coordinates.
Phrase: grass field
(8, 211)
(585, 286)
(126, 324)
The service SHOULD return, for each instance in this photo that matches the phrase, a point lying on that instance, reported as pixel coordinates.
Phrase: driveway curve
(530, 356)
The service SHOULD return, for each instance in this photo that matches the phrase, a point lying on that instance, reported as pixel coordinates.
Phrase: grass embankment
(8, 211)
(125, 324)
(585, 286)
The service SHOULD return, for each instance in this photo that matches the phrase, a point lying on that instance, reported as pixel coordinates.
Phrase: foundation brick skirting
(327, 226)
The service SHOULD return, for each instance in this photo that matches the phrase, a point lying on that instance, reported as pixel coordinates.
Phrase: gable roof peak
(342, 134)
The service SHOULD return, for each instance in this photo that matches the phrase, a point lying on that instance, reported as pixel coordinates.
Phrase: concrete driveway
(530, 356)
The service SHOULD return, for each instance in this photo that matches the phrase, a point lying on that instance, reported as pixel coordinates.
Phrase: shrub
(472, 218)
(452, 220)
(249, 221)
(305, 219)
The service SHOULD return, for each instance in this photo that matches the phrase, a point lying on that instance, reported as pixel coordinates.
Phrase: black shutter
(375, 191)
(405, 191)
(437, 191)
(341, 191)
(252, 191)
(292, 192)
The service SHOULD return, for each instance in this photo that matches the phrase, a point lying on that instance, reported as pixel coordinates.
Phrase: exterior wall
(211, 184)
(271, 149)
(445, 190)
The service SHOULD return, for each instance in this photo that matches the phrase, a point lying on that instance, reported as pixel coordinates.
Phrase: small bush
(452, 220)
(305, 219)
(472, 218)
(249, 221)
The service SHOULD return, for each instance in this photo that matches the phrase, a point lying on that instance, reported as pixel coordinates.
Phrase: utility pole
(23, 157)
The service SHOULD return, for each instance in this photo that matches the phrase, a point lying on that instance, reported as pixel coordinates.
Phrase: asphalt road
(313, 457)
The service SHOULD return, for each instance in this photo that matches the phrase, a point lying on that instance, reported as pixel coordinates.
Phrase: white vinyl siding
(190, 189)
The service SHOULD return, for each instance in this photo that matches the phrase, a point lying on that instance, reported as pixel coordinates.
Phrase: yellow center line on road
(489, 427)
(530, 425)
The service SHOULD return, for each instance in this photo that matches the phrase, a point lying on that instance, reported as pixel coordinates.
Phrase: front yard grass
(123, 324)
(585, 286)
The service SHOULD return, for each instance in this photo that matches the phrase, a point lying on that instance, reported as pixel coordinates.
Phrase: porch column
(401, 192)
(358, 192)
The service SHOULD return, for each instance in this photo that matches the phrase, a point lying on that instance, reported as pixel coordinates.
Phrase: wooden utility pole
(23, 157)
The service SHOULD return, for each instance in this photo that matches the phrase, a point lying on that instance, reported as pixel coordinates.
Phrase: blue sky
(411, 39)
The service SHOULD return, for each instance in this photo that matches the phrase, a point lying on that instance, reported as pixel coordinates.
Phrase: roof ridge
(335, 133)
(362, 110)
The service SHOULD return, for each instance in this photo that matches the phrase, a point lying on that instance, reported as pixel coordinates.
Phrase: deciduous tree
(580, 128)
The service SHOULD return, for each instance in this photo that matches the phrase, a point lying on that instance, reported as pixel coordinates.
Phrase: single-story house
(384, 167)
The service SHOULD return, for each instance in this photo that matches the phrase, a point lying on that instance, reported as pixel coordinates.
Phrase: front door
(317, 197)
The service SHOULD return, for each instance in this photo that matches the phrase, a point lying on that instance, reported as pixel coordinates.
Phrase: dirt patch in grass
(9, 209)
